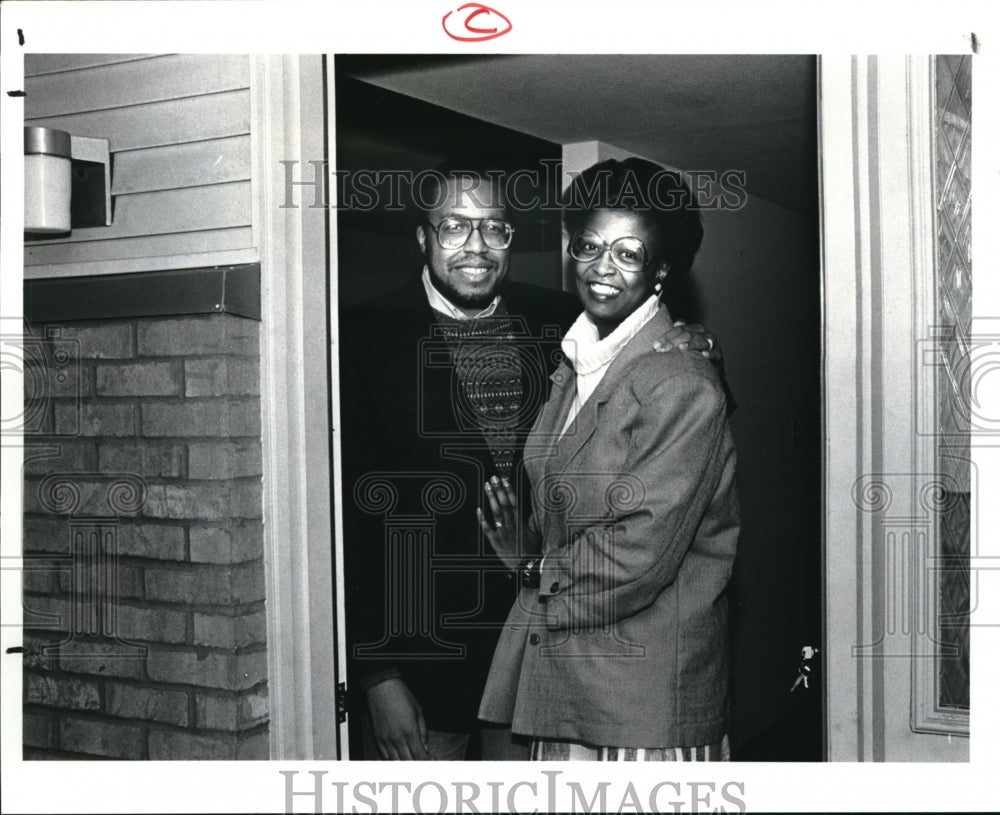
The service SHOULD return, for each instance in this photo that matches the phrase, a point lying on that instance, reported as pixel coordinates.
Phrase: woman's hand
(686, 336)
(502, 533)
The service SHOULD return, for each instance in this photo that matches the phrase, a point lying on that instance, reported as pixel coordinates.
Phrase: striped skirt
(554, 750)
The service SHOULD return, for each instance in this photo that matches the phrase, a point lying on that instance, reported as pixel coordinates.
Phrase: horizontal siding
(40, 64)
(182, 165)
(188, 243)
(135, 83)
(183, 210)
(179, 131)
(231, 257)
(160, 124)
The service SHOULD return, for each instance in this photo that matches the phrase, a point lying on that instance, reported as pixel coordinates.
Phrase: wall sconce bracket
(90, 162)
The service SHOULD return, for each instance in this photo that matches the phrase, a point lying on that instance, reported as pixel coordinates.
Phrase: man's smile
(474, 271)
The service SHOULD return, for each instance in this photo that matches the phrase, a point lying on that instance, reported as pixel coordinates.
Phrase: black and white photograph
(429, 392)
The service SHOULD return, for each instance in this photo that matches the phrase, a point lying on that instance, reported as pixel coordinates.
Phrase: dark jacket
(425, 595)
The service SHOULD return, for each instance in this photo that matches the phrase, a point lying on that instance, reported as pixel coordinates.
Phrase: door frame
(876, 242)
(289, 124)
(878, 292)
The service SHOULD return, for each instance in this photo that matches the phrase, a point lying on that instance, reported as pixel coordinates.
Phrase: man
(440, 382)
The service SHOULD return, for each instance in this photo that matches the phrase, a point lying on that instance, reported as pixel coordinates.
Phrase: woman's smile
(603, 291)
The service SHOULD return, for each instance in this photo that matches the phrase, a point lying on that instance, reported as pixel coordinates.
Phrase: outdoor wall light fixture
(67, 182)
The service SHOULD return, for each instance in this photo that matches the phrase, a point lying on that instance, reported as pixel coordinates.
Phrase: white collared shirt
(591, 356)
(439, 302)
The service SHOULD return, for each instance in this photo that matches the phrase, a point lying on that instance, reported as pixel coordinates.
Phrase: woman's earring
(658, 287)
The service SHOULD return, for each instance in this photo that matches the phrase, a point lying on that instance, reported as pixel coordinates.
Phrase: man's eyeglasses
(628, 253)
(454, 232)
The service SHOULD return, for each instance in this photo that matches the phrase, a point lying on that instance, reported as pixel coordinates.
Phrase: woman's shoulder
(678, 369)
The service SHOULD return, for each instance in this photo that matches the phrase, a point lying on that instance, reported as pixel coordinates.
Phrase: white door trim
(878, 314)
(288, 124)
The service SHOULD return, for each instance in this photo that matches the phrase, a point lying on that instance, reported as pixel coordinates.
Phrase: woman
(617, 647)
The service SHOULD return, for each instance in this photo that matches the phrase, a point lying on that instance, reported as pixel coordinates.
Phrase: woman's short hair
(638, 185)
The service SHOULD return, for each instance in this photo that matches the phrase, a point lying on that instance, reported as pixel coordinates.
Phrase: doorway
(756, 285)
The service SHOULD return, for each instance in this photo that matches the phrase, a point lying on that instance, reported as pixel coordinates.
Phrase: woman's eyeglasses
(628, 253)
(454, 232)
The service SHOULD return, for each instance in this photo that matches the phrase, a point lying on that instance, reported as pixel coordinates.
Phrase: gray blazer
(625, 643)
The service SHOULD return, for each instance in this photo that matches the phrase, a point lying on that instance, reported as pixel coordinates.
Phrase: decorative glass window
(953, 201)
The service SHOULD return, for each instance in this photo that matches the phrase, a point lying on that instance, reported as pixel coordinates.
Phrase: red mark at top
(477, 24)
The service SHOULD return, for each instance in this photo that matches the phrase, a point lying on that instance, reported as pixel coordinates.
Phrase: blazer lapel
(562, 449)
(583, 427)
(543, 441)
(577, 434)
(556, 449)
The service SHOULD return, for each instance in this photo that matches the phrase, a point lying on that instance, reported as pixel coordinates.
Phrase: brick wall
(144, 581)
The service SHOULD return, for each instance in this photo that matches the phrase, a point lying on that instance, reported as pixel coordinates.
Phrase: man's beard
(457, 298)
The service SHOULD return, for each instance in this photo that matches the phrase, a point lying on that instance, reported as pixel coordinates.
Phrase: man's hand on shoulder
(693, 337)
(397, 721)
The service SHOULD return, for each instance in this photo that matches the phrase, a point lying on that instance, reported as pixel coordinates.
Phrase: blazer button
(533, 639)
(554, 587)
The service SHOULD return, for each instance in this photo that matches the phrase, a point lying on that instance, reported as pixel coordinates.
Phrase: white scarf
(591, 356)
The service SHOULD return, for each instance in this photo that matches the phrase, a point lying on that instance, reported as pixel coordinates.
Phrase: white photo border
(393, 26)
